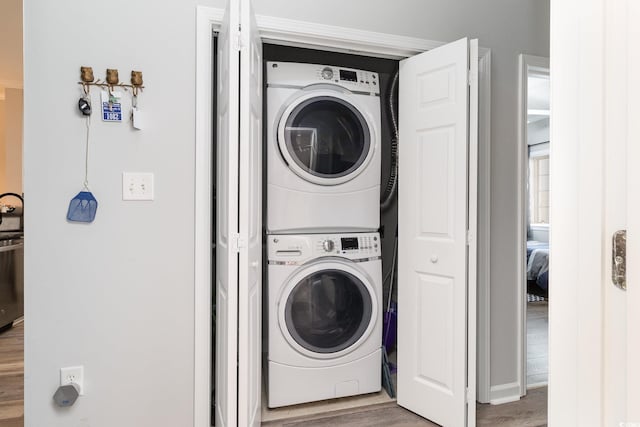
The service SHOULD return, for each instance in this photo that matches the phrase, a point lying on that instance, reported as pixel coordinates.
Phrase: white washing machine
(324, 317)
(323, 149)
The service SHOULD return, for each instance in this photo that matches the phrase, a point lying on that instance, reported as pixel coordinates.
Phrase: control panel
(305, 247)
(301, 75)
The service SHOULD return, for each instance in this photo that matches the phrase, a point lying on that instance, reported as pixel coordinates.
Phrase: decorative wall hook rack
(112, 81)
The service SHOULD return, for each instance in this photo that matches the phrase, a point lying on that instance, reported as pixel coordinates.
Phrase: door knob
(434, 258)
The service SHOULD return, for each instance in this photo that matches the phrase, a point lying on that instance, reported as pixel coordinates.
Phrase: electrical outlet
(73, 374)
(137, 186)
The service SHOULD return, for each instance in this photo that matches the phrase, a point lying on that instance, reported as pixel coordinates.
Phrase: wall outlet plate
(137, 186)
(75, 375)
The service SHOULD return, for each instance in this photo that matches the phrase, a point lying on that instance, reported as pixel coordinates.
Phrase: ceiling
(10, 45)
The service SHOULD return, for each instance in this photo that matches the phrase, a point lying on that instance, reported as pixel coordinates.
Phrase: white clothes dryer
(323, 149)
(324, 317)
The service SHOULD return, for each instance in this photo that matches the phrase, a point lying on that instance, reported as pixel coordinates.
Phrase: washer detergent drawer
(11, 280)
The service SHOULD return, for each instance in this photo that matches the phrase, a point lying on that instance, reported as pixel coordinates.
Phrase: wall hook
(112, 76)
(112, 81)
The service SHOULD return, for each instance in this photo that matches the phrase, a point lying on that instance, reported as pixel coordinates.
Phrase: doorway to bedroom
(535, 281)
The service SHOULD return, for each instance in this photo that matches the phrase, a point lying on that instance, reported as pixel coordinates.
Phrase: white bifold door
(436, 286)
(226, 282)
(250, 271)
(239, 219)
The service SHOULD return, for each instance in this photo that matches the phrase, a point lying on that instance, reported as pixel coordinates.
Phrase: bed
(538, 268)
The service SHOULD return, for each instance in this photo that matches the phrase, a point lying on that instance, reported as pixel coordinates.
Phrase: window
(539, 186)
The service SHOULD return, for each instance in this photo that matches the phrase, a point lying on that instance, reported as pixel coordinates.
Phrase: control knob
(328, 245)
(327, 73)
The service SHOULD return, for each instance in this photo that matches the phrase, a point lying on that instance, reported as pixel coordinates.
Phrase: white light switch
(137, 186)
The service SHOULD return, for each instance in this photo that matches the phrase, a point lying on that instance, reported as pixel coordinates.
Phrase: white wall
(117, 295)
(11, 43)
(12, 166)
(509, 28)
(539, 233)
(3, 154)
(10, 78)
(538, 132)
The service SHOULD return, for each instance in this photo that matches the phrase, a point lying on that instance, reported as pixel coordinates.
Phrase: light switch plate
(137, 186)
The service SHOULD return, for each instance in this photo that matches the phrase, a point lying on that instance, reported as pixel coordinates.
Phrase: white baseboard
(505, 393)
(537, 385)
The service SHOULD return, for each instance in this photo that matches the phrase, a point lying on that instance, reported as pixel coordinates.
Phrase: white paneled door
(434, 280)
(226, 346)
(633, 215)
(239, 219)
(250, 271)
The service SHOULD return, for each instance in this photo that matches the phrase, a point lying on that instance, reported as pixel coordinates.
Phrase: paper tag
(138, 118)
(111, 106)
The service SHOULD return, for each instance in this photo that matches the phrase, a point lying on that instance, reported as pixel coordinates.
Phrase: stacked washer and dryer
(324, 273)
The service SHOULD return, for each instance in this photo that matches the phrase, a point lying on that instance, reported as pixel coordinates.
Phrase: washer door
(327, 309)
(325, 138)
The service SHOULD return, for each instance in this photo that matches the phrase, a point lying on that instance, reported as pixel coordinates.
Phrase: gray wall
(117, 296)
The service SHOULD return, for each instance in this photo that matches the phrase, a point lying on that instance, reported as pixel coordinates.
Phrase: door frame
(328, 38)
(208, 21)
(526, 65)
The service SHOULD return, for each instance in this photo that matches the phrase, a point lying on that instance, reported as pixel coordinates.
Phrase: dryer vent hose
(392, 184)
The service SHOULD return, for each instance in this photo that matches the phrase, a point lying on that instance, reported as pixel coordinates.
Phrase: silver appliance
(11, 279)
(11, 263)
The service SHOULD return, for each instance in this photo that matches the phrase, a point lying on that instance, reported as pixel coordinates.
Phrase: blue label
(111, 112)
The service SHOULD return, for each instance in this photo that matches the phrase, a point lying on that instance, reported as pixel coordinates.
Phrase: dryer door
(325, 138)
(327, 309)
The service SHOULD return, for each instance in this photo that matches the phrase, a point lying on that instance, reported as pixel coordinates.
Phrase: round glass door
(326, 137)
(328, 311)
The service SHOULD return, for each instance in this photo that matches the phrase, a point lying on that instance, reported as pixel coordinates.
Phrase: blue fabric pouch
(82, 208)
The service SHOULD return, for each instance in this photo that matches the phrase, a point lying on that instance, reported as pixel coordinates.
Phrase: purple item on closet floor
(390, 326)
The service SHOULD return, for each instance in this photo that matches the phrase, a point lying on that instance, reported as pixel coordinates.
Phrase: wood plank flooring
(528, 412)
(381, 415)
(531, 411)
(537, 344)
(12, 377)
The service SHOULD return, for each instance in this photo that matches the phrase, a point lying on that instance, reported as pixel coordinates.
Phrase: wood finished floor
(528, 412)
(531, 411)
(537, 344)
(12, 377)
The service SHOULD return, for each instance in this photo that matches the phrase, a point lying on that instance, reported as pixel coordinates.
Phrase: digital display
(349, 243)
(349, 76)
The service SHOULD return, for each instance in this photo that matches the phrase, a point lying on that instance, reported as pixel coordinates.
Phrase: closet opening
(238, 260)
(301, 144)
